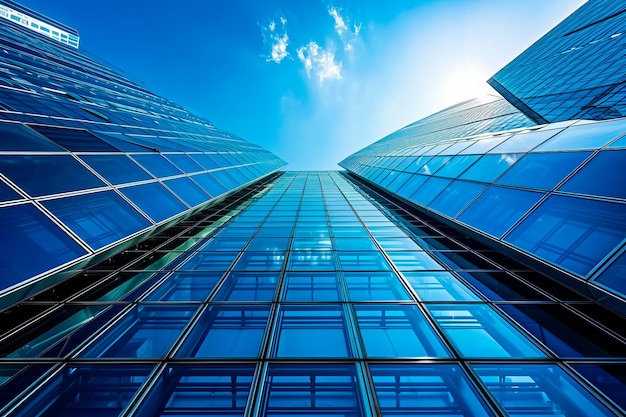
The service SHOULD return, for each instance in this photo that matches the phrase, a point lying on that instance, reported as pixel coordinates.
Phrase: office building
(465, 265)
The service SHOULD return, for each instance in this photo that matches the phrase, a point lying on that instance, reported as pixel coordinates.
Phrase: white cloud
(319, 62)
(275, 40)
(348, 32)
(340, 24)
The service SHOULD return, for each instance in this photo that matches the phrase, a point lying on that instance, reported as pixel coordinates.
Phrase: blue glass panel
(613, 277)
(439, 286)
(483, 145)
(363, 261)
(455, 197)
(311, 332)
(184, 163)
(564, 332)
(62, 173)
(227, 332)
(498, 208)
(14, 379)
(478, 331)
(186, 390)
(209, 184)
(489, 167)
(431, 189)
(268, 244)
(209, 261)
(247, 286)
(144, 332)
(320, 286)
(144, 196)
(588, 136)
(609, 378)
(260, 261)
(524, 142)
(82, 390)
(156, 164)
(456, 166)
(602, 176)
(117, 169)
(321, 260)
(372, 286)
(355, 244)
(397, 331)
(185, 286)
(98, 218)
(574, 233)
(319, 389)
(16, 137)
(30, 244)
(414, 261)
(188, 191)
(543, 170)
(426, 390)
(409, 187)
(75, 140)
(7, 193)
(398, 244)
(539, 389)
(434, 164)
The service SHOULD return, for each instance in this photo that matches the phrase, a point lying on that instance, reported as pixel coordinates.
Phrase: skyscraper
(152, 264)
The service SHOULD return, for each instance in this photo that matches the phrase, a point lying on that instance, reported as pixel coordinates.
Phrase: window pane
(311, 332)
(382, 286)
(144, 196)
(227, 332)
(319, 286)
(185, 390)
(75, 140)
(489, 167)
(574, 233)
(84, 390)
(455, 197)
(397, 331)
(117, 169)
(30, 244)
(426, 390)
(62, 173)
(98, 218)
(144, 332)
(247, 286)
(479, 332)
(156, 165)
(497, 209)
(594, 179)
(16, 137)
(188, 191)
(363, 261)
(588, 136)
(186, 286)
(543, 170)
(439, 286)
(524, 142)
(535, 389)
(325, 390)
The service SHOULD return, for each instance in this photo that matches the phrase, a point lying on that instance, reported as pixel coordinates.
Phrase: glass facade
(575, 71)
(84, 155)
(469, 264)
(312, 294)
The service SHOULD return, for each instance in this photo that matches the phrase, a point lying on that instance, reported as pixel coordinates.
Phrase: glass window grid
(360, 372)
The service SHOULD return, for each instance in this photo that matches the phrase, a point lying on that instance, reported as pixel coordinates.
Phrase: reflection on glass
(325, 390)
(397, 331)
(374, 286)
(425, 390)
(479, 332)
(227, 332)
(184, 390)
(544, 390)
(311, 332)
(319, 286)
(439, 286)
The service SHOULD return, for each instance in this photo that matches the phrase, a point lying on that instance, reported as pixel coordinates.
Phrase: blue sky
(311, 80)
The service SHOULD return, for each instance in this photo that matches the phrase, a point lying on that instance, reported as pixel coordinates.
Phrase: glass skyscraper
(469, 264)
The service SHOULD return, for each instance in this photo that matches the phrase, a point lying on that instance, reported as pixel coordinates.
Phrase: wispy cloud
(347, 31)
(275, 40)
(319, 62)
(340, 24)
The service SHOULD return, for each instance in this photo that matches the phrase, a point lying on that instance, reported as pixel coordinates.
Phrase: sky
(311, 80)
